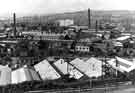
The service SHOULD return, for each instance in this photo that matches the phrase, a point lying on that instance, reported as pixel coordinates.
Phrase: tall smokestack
(14, 19)
(89, 19)
(96, 26)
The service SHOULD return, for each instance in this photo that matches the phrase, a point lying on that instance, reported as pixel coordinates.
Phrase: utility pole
(116, 66)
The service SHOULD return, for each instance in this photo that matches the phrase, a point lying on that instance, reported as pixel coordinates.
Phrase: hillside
(81, 17)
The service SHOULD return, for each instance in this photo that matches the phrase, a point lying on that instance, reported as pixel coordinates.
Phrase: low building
(91, 68)
(23, 74)
(67, 68)
(94, 67)
(122, 65)
(82, 48)
(46, 71)
(45, 36)
(65, 22)
(5, 75)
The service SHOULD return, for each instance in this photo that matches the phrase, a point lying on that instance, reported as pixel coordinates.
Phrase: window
(0, 73)
(93, 67)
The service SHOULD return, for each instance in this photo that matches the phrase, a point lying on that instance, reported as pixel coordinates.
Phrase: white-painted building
(123, 65)
(66, 68)
(24, 74)
(62, 66)
(44, 35)
(92, 67)
(82, 48)
(46, 71)
(65, 22)
(74, 73)
(5, 75)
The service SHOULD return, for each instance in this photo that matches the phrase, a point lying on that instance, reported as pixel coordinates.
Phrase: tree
(43, 44)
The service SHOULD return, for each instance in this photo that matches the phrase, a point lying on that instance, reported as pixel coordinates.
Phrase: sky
(37, 7)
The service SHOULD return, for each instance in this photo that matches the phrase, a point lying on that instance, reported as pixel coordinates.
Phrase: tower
(14, 24)
(89, 19)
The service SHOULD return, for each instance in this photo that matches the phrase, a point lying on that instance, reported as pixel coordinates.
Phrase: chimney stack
(14, 19)
(96, 26)
(89, 19)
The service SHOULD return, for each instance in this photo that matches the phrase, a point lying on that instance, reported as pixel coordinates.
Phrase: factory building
(65, 22)
(82, 48)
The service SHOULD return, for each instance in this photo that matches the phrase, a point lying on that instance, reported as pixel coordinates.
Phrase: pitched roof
(46, 71)
(5, 75)
(94, 68)
(74, 73)
(123, 38)
(80, 64)
(62, 66)
(123, 65)
(67, 68)
(23, 74)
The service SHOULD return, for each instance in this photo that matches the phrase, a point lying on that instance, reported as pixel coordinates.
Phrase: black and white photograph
(67, 46)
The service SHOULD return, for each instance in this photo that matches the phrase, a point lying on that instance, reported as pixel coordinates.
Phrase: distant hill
(81, 17)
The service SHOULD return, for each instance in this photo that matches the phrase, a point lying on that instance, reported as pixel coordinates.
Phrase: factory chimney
(89, 19)
(96, 26)
(14, 24)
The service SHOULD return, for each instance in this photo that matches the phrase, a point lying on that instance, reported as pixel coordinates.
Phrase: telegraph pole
(116, 70)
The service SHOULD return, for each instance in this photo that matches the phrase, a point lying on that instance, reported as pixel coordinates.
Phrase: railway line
(104, 89)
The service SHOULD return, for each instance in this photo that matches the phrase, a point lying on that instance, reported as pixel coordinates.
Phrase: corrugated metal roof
(5, 75)
(23, 74)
